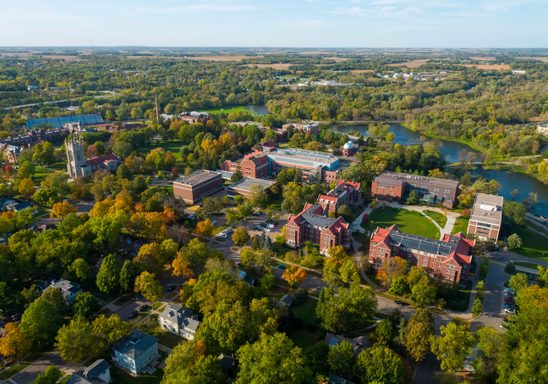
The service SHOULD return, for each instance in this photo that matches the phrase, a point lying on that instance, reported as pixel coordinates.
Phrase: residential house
(68, 289)
(178, 320)
(96, 373)
(136, 352)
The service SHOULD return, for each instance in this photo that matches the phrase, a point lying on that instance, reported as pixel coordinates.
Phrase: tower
(76, 162)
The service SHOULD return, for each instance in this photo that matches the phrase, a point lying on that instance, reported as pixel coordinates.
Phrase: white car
(271, 226)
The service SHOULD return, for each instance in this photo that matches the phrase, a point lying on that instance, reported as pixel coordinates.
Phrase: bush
(514, 241)
(477, 306)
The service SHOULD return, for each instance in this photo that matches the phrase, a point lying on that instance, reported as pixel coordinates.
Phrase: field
(483, 58)
(173, 145)
(489, 67)
(223, 58)
(360, 71)
(227, 110)
(407, 221)
(277, 66)
(461, 225)
(534, 245)
(410, 64)
(437, 217)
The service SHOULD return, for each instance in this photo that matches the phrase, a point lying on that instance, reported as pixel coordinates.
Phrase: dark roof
(423, 244)
(59, 122)
(135, 344)
(317, 220)
(96, 369)
(77, 379)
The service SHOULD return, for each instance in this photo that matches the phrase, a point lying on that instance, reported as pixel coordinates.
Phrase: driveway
(27, 375)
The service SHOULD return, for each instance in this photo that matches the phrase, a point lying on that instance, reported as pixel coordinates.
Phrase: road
(27, 375)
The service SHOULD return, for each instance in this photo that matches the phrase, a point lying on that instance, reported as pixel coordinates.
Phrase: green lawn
(407, 221)
(437, 217)
(9, 372)
(461, 225)
(227, 110)
(534, 245)
(174, 146)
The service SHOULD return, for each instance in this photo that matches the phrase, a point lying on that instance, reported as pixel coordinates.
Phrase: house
(135, 352)
(448, 259)
(286, 301)
(345, 193)
(486, 218)
(395, 186)
(13, 205)
(179, 320)
(68, 289)
(245, 277)
(358, 343)
(197, 185)
(96, 373)
(312, 224)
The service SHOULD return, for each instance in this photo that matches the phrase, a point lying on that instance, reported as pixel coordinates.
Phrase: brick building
(486, 218)
(314, 166)
(448, 259)
(395, 186)
(345, 193)
(312, 225)
(197, 185)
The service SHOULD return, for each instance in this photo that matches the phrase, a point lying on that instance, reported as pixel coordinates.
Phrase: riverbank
(517, 168)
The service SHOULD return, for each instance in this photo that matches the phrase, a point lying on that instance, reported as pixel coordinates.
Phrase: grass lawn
(227, 110)
(437, 217)
(121, 377)
(461, 225)
(9, 372)
(456, 299)
(526, 264)
(171, 145)
(534, 245)
(309, 332)
(407, 221)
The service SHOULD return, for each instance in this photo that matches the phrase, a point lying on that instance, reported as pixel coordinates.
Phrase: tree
(148, 286)
(109, 274)
(85, 304)
(51, 375)
(272, 359)
(418, 332)
(26, 187)
(81, 270)
(214, 287)
(518, 281)
(294, 276)
(240, 236)
(423, 290)
(15, 343)
(62, 209)
(188, 363)
(515, 212)
(342, 309)
(43, 317)
(258, 197)
(153, 256)
(26, 170)
(339, 269)
(383, 332)
(128, 273)
(453, 346)
(413, 198)
(380, 364)
(204, 228)
(514, 241)
(192, 258)
(341, 358)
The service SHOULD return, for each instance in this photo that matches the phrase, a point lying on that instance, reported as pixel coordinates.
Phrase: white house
(179, 320)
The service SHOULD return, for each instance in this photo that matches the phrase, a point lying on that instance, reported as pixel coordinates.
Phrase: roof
(386, 177)
(96, 160)
(185, 317)
(65, 286)
(247, 183)
(487, 208)
(135, 344)
(317, 220)
(197, 177)
(77, 379)
(60, 121)
(304, 158)
(96, 369)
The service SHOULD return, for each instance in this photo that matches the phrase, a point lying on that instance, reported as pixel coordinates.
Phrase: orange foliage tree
(294, 276)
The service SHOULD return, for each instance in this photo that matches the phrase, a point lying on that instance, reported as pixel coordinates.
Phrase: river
(258, 109)
(455, 152)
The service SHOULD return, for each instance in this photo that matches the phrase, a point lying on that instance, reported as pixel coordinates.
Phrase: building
(542, 129)
(306, 127)
(79, 166)
(109, 162)
(314, 166)
(486, 218)
(254, 165)
(396, 186)
(9, 153)
(448, 259)
(345, 193)
(246, 187)
(59, 122)
(135, 352)
(313, 225)
(197, 185)
(349, 149)
(358, 343)
(179, 320)
(96, 373)
(68, 289)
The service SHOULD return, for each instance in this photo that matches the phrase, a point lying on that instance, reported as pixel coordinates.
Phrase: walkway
(357, 223)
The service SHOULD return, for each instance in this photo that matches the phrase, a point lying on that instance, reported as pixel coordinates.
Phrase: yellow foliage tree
(62, 209)
(204, 228)
(15, 343)
(294, 276)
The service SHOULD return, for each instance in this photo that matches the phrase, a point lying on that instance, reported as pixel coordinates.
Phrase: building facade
(197, 185)
(313, 225)
(135, 352)
(345, 193)
(448, 259)
(68, 289)
(179, 320)
(395, 186)
(76, 162)
(314, 166)
(486, 218)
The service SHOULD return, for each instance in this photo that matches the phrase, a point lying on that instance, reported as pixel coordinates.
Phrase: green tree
(188, 363)
(109, 274)
(413, 198)
(85, 304)
(518, 281)
(240, 236)
(75, 341)
(128, 273)
(148, 286)
(380, 364)
(453, 346)
(50, 376)
(418, 333)
(514, 241)
(341, 358)
(383, 332)
(81, 270)
(342, 309)
(272, 359)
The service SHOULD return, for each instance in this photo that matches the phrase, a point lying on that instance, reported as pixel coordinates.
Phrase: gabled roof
(135, 344)
(96, 369)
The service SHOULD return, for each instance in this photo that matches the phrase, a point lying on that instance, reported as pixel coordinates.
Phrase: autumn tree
(204, 228)
(62, 209)
(240, 236)
(339, 269)
(14, 343)
(294, 276)
(153, 256)
(148, 286)
(453, 345)
(26, 187)
(418, 333)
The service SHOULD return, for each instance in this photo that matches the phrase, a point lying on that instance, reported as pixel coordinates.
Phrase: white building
(179, 320)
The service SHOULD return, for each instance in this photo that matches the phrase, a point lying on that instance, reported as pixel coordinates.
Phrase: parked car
(402, 303)
(271, 226)
(133, 314)
(257, 213)
(144, 308)
(509, 308)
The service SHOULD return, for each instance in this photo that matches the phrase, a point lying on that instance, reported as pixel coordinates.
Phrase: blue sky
(276, 23)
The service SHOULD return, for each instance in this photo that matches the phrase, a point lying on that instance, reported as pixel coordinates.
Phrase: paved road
(27, 375)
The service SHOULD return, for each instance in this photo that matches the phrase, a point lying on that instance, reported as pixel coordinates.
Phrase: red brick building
(448, 259)
(394, 186)
(345, 193)
(312, 225)
(197, 185)
(254, 165)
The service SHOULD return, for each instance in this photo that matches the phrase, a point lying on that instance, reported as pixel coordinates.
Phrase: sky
(276, 23)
